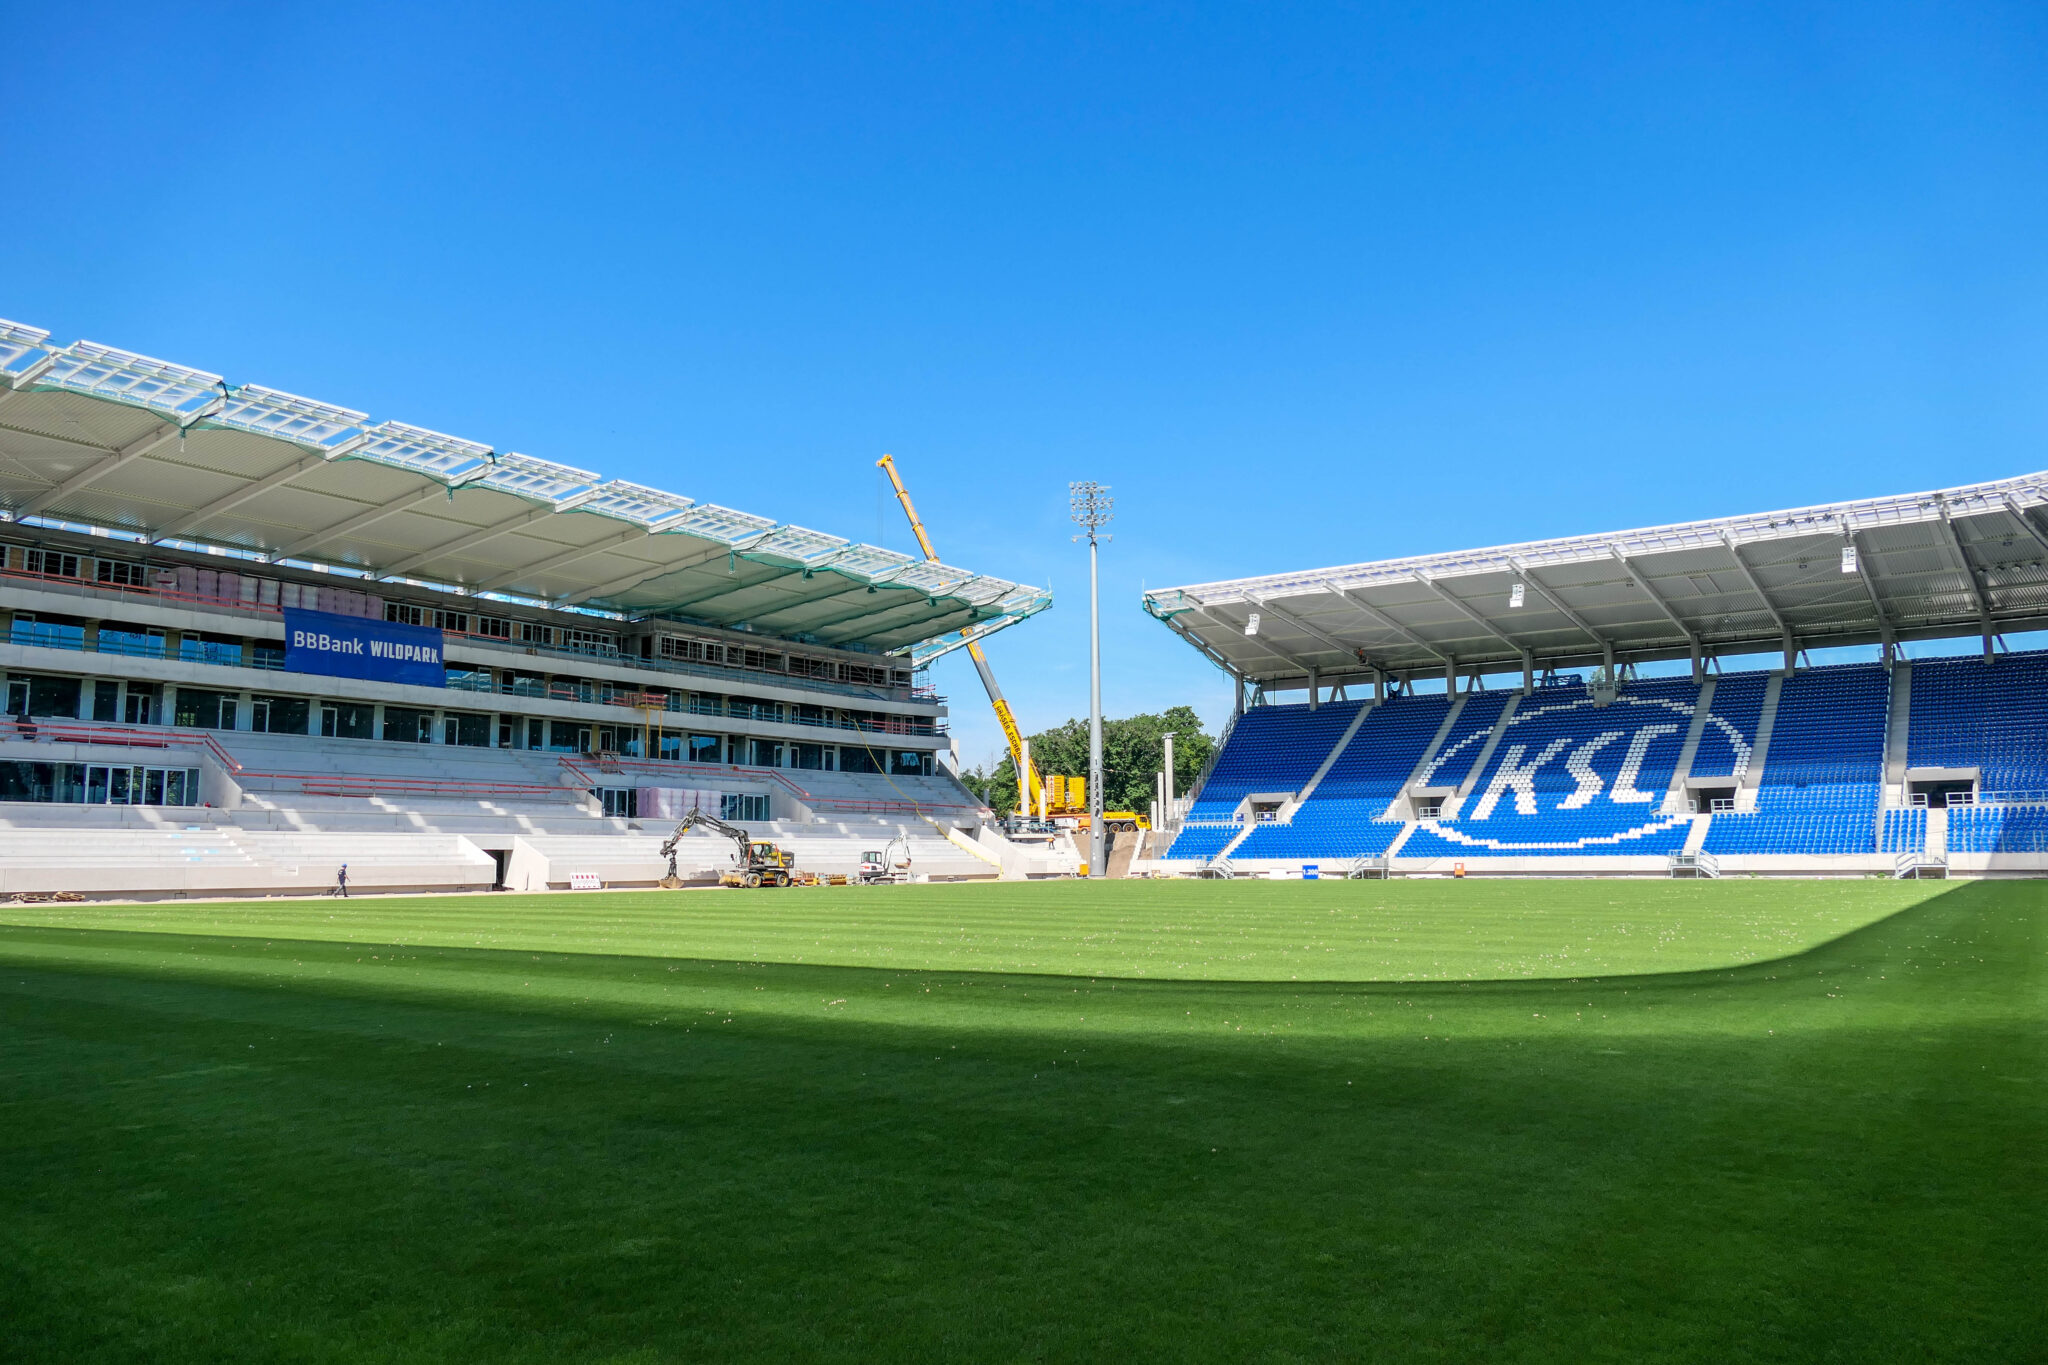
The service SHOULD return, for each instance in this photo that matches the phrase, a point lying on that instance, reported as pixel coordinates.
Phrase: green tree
(1133, 748)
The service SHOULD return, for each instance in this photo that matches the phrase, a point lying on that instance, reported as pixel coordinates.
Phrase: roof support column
(1699, 663)
(1528, 673)
(1791, 650)
(1314, 686)
(1450, 675)
(1607, 662)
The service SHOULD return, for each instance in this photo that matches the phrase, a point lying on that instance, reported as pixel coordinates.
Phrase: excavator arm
(1027, 773)
(691, 821)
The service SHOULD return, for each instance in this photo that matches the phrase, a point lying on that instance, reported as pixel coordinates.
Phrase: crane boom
(1027, 775)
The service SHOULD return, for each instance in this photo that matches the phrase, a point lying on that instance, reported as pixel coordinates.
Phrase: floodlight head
(1517, 594)
(1090, 505)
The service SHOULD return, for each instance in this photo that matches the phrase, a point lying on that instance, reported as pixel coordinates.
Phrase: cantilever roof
(105, 437)
(1958, 561)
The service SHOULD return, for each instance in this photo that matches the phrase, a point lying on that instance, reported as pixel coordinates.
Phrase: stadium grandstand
(1582, 706)
(251, 636)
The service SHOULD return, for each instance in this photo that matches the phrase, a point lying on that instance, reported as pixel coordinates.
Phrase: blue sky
(1305, 284)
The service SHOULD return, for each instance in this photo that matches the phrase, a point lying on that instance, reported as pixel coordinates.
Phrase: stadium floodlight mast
(1092, 506)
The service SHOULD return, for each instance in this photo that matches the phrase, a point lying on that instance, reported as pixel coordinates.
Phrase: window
(105, 785)
(854, 758)
(466, 728)
(589, 642)
(106, 700)
(139, 706)
(120, 574)
(401, 613)
(223, 650)
(51, 632)
(705, 748)
(52, 564)
(280, 715)
(911, 763)
(406, 725)
(533, 633)
(134, 642)
(620, 802)
(57, 697)
(566, 736)
(269, 654)
(494, 627)
(807, 756)
(457, 621)
(348, 720)
(671, 746)
(742, 806)
(203, 710)
(767, 753)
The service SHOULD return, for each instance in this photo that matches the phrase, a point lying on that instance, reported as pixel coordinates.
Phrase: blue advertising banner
(356, 647)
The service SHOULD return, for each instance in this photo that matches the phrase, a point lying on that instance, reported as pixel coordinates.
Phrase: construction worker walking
(341, 882)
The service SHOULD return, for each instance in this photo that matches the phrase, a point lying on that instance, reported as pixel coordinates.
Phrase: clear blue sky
(1306, 285)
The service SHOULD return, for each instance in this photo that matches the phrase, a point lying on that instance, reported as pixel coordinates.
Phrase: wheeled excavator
(758, 862)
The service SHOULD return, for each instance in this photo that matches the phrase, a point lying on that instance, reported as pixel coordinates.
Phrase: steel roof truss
(533, 572)
(2019, 514)
(1885, 629)
(1256, 643)
(1971, 577)
(399, 568)
(1756, 585)
(192, 521)
(113, 460)
(1529, 577)
(369, 517)
(1643, 584)
(1289, 618)
(1390, 623)
(1471, 613)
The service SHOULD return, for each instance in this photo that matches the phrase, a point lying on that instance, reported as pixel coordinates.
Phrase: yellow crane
(1027, 773)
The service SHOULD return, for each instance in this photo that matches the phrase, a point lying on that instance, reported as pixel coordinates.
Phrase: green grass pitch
(1572, 1121)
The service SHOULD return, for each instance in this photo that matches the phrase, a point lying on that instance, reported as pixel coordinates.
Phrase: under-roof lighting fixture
(1849, 558)
(1251, 625)
(1517, 594)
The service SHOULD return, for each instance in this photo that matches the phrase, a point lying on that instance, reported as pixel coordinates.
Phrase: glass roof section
(421, 451)
(929, 578)
(637, 503)
(537, 479)
(288, 417)
(869, 561)
(709, 521)
(17, 340)
(125, 377)
(981, 591)
(797, 545)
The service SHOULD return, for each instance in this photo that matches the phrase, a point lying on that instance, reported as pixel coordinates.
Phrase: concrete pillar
(1699, 662)
(1791, 651)
(1607, 663)
(1528, 673)
(1451, 677)
(1315, 687)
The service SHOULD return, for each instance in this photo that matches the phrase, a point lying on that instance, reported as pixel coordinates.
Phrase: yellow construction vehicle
(1028, 787)
(756, 862)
